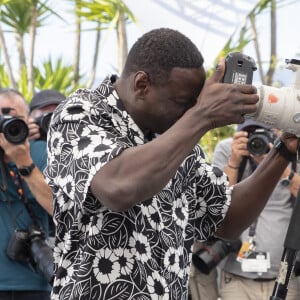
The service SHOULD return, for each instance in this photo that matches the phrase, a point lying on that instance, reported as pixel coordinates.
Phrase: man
(23, 190)
(131, 189)
(41, 107)
(251, 274)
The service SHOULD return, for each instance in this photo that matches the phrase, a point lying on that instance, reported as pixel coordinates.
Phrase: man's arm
(140, 172)
(40, 189)
(250, 195)
(20, 155)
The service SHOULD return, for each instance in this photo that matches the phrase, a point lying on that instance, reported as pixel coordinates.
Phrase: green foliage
(211, 138)
(55, 76)
(49, 76)
(16, 14)
(4, 80)
(23, 84)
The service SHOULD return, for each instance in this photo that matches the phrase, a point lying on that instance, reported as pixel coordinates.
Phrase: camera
(213, 252)
(259, 140)
(29, 246)
(239, 68)
(280, 107)
(43, 121)
(277, 107)
(15, 130)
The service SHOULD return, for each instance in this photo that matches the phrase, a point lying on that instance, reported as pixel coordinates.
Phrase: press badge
(245, 250)
(256, 261)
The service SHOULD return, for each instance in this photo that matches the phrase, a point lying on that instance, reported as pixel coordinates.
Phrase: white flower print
(180, 211)
(68, 185)
(157, 287)
(95, 227)
(106, 266)
(139, 243)
(126, 260)
(57, 141)
(171, 260)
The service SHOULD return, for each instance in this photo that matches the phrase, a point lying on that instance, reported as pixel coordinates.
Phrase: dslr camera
(14, 129)
(213, 252)
(43, 121)
(277, 107)
(259, 140)
(29, 246)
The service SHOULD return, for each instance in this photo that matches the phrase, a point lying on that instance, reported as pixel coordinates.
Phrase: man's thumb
(219, 71)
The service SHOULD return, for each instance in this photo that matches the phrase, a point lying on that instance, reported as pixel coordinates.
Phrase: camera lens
(258, 144)
(45, 121)
(15, 130)
(208, 257)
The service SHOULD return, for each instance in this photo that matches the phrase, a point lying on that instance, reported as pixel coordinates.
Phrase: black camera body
(239, 68)
(213, 252)
(259, 140)
(29, 246)
(43, 121)
(15, 130)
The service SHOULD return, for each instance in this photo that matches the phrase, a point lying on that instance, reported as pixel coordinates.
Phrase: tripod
(288, 260)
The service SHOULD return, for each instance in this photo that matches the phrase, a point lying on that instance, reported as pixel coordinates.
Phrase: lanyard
(19, 184)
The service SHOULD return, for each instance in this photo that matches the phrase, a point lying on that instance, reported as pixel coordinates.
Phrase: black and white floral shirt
(144, 252)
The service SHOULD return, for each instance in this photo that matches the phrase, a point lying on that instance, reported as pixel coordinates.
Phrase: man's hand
(34, 130)
(222, 104)
(19, 154)
(238, 148)
(291, 141)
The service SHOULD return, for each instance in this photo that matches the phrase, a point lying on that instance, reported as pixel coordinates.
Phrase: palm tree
(23, 17)
(4, 48)
(106, 15)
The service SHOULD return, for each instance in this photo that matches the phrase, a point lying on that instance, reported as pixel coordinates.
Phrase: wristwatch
(27, 170)
(282, 149)
(287, 181)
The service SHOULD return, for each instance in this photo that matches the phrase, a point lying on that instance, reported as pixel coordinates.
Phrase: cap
(44, 98)
(251, 122)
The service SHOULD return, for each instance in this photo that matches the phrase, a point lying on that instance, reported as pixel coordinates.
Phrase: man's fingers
(219, 71)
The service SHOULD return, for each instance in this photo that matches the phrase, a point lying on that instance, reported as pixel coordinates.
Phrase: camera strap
(249, 245)
(3, 185)
(18, 182)
(294, 169)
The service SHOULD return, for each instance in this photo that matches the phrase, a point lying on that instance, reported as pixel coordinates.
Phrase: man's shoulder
(226, 141)
(224, 145)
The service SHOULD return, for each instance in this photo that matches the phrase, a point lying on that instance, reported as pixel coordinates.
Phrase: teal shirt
(13, 214)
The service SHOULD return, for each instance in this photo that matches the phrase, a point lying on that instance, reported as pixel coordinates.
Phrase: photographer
(22, 187)
(251, 273)
(41, 108)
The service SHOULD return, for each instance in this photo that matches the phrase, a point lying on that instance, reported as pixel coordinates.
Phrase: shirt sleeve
(213, 197)
(81, 141)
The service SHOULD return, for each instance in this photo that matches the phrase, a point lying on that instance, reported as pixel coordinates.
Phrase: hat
(44, 98)
(251, 122)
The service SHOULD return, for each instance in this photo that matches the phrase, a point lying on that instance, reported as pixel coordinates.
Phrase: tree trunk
(77, 50)
(257, 49)
(32, 36)
(95, 58)
(20, 47)
(273, 42)
(7, 60)
(122, 41)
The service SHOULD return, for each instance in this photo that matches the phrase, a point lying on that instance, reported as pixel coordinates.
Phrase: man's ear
(141, 83)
